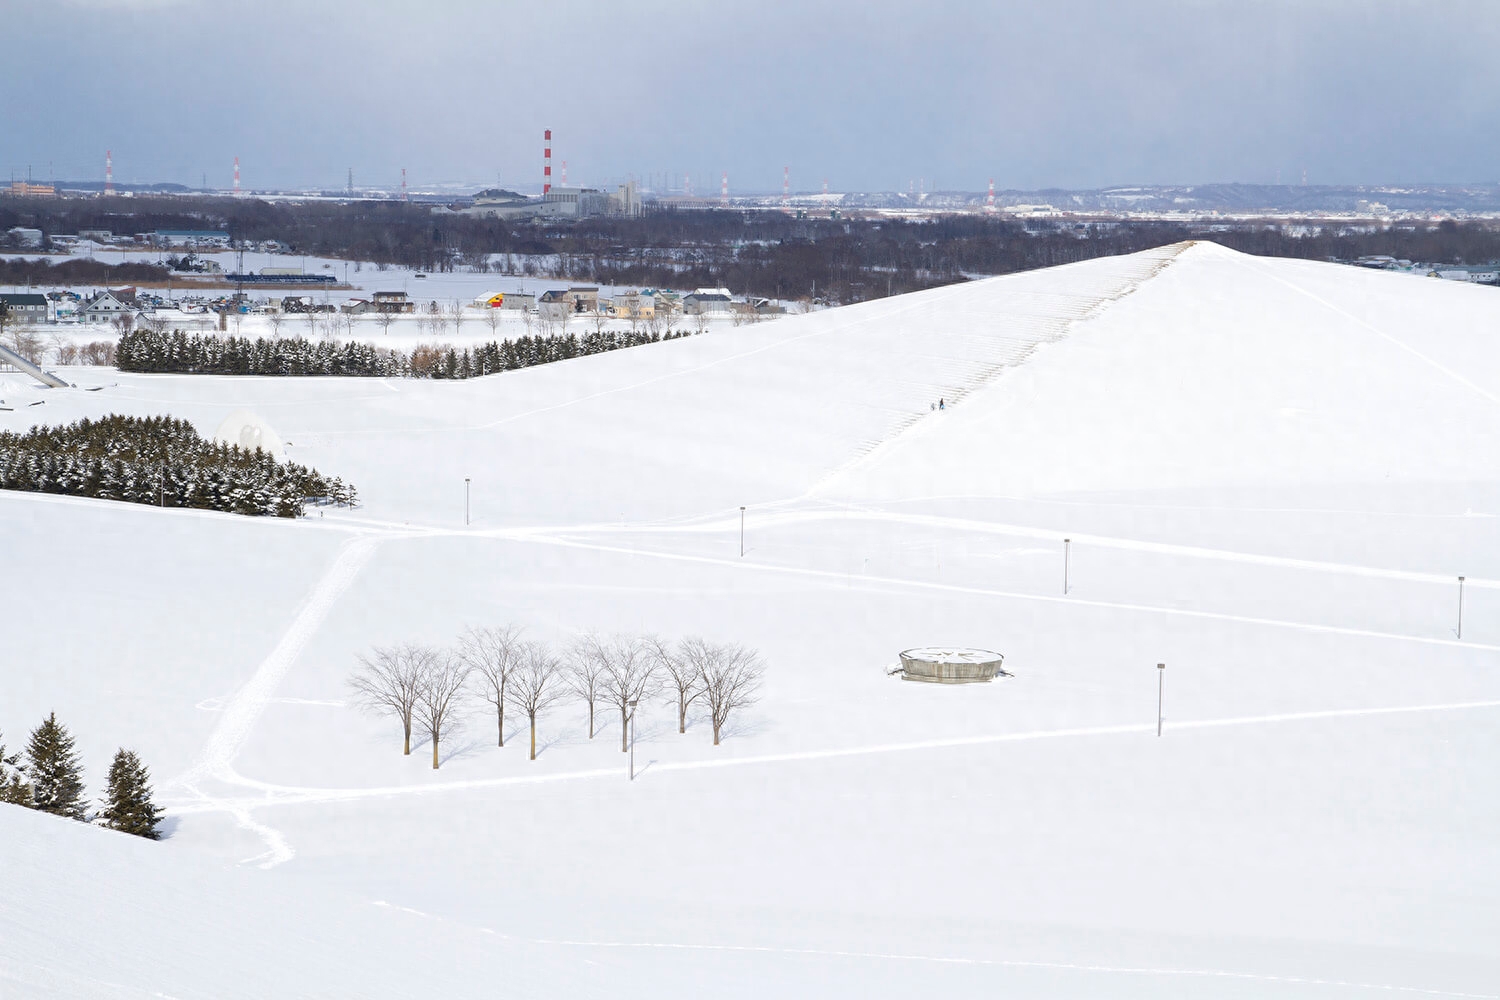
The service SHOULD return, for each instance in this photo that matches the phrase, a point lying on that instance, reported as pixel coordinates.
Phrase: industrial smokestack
(547, 161)
(786, 188)
(109, 171)
(565, 173)
(236, 175)
(989, 201)
(724, 190)
(403, 185)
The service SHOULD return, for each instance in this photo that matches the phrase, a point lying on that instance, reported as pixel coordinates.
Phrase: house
(24, 307)
(634, 305)
(25, 236)
(104, 307)
(393, 302)
(555, 305)
(585, 298)
(707, 301)
(178, 319)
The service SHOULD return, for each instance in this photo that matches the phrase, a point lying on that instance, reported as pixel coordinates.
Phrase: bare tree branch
(538, 684)
(388, 682)
(587, 661)
(682, 671)
(440, 695)
(629, 675)
(732, 676)
(492, 654)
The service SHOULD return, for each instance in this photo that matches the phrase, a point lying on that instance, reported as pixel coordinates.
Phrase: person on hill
(942, 405)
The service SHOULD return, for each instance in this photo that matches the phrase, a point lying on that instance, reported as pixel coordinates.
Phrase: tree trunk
(716, 732)
(623, 746)
(500, 707)
(591, 719)
(406, 747)
(500, 722)
(434, 750)
(681, 715)
(533, 737)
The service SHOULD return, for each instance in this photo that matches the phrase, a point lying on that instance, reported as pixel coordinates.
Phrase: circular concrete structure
(950, 665)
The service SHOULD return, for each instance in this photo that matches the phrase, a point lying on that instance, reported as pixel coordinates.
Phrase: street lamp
(742, 531)
(1460, 607)
(633, 703)
(1161, 673)
(466, 501)
(1067, 543)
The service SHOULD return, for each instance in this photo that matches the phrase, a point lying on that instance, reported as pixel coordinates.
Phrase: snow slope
(1271, 473)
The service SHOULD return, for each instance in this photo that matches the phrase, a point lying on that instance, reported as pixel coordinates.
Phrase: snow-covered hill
(1271, 474)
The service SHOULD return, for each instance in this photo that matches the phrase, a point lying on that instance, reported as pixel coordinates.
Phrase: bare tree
(492, 317)
(732, 677)
(527, 319)
(275, 317)
(493, 655)
(440, 696)
(456, 311)
(389, 682)
(385, 317)
(683, 671)
(538, 684)
(587, 660)
(629, 676)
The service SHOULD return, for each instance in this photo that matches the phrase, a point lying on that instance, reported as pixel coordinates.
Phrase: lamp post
(633, 703)
(1067, 546)
(1460, 607)
(466, 501)
(1161, 673)
(742, 531)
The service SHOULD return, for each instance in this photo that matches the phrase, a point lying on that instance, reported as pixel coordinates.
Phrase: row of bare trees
(429, 690)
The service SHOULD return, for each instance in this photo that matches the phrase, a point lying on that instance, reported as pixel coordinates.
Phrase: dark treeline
(759, 253)
(22, 271)
(159, 460)
(199, 354)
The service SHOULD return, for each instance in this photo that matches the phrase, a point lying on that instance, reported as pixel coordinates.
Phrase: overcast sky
(871, 95)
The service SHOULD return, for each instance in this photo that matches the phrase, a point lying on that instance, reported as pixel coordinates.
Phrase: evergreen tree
(127, 806)
(13, 786)
(52, 763)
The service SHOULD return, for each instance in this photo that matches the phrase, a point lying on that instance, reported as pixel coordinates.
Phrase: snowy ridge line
(1016, 963)
(1224, 508)
(1050, 535)
(1020, 348)
(283, 795)
(885, 581)
(1254, 263)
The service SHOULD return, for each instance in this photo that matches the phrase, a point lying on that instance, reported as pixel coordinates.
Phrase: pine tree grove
(176, 352)
(127, 805)
(160, 461)
(52, 765)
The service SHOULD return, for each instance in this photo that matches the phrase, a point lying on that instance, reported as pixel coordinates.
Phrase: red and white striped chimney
(109, 171)
(724, 190)
(989, 201)
(236, 175)
(547, 162)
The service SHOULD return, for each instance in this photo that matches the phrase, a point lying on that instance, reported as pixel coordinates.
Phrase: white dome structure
(247, 430)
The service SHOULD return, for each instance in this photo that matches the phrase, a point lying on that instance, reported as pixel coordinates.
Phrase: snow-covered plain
(1271, 472)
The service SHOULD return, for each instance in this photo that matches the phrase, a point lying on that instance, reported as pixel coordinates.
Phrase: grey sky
(870, 95)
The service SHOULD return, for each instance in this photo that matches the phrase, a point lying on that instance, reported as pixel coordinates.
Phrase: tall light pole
(1460, 607)
(1161, 673)
(633, 703)
(742, 531)
(466, 501)
(1067, 545)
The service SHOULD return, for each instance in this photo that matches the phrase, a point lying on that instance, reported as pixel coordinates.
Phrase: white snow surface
(1271, 472)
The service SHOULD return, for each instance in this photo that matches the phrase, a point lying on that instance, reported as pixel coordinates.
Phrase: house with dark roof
(24, 307)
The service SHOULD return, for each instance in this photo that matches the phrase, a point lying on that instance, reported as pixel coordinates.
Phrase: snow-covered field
(1271, 473)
